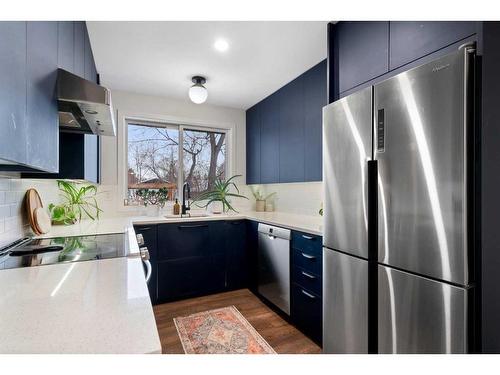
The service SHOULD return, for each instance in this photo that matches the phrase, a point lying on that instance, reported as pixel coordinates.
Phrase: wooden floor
(283, 337)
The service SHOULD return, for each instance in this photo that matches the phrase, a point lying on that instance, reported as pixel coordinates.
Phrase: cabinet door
(13, 91)
(41, 104)
(269, 139)
(184, 240)
(315, 99)
(79, 51)
(182, 278)
(253, 145)
(66, 53)
(307, 312)
(252, 240)
(412, 40)
(291, 144)
(363, 49)
(236, 255)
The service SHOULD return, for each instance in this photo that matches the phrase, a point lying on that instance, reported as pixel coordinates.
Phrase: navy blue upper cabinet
(362, 49)
(284, 131)
(90, 71)
(13, 91)
(412, 40)
(269, 139)
(253, 145)
(291, 144)
(66, 51)
(79, 48)
(315, 98)
(41, 103)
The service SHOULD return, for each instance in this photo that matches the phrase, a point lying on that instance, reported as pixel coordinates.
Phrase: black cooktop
(38, 252)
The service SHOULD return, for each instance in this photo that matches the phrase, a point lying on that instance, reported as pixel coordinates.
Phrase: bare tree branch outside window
(153, 159)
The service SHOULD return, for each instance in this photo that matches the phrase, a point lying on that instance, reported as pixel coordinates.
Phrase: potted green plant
(153, 200)
(260, 198)
(220, 193)
(78, 202)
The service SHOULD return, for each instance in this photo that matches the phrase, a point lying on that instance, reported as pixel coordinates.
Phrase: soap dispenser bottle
(177, 207)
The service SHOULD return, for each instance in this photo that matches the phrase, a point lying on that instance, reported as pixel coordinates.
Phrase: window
(204, 159)
(156, 161)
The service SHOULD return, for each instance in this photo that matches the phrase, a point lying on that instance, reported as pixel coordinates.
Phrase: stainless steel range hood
(84, 107)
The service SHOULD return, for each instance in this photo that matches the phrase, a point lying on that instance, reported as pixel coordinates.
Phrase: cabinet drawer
(307, 242)
(309, 261)
(307, 279)
(307, 312)
(176, 241)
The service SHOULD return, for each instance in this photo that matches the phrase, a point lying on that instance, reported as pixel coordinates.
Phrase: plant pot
(216, 207)
(269, 207)
(153, 211)
(260, 205)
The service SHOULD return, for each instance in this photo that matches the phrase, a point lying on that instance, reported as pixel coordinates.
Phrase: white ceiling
(159, 58)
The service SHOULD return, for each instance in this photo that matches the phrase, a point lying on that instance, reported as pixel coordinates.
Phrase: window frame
(173, 123)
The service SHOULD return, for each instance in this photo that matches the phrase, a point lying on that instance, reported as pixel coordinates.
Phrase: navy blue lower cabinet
(307, 284)
(307, 312)
(252, 249)
(183, 278)
(149, 233)
(237, 275)
(184, 240)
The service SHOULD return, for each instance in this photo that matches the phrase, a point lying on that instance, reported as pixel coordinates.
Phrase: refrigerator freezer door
(419, 315)
(347, 146)
(420, 149)
(345, 303)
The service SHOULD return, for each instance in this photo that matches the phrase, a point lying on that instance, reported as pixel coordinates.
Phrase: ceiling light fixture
(198, 93)
(221, 45)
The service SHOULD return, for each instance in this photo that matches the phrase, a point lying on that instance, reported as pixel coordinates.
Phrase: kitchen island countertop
(99, 306)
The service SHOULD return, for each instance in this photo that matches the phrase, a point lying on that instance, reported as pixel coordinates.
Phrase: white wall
(131, 104)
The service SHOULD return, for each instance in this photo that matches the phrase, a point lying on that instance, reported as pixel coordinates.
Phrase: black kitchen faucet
(186, 191)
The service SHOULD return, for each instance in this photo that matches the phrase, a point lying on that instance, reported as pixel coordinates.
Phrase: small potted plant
(153, 200)
(260, 198)
(220, 194)
(78, 203)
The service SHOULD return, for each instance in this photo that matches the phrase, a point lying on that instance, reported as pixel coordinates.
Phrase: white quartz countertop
(305, 223)
(99, 306)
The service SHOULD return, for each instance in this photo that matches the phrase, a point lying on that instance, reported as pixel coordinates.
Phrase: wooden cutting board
(33, 201)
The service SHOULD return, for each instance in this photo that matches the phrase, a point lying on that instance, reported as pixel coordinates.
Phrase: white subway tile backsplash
(4, 184)
(13, 220)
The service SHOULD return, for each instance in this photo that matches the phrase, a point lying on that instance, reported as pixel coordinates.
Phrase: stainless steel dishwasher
(274, 265)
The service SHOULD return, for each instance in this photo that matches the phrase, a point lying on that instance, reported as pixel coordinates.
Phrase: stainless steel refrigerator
(397, 263)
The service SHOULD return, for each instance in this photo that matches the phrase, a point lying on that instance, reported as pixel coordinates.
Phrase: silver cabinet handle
(312, 277)
(307, 294)
(307, 237)
(308, 256)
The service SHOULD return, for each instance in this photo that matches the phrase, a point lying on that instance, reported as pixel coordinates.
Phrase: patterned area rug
(220, 331)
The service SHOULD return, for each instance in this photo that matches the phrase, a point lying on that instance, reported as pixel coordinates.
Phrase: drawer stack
(307, 267)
